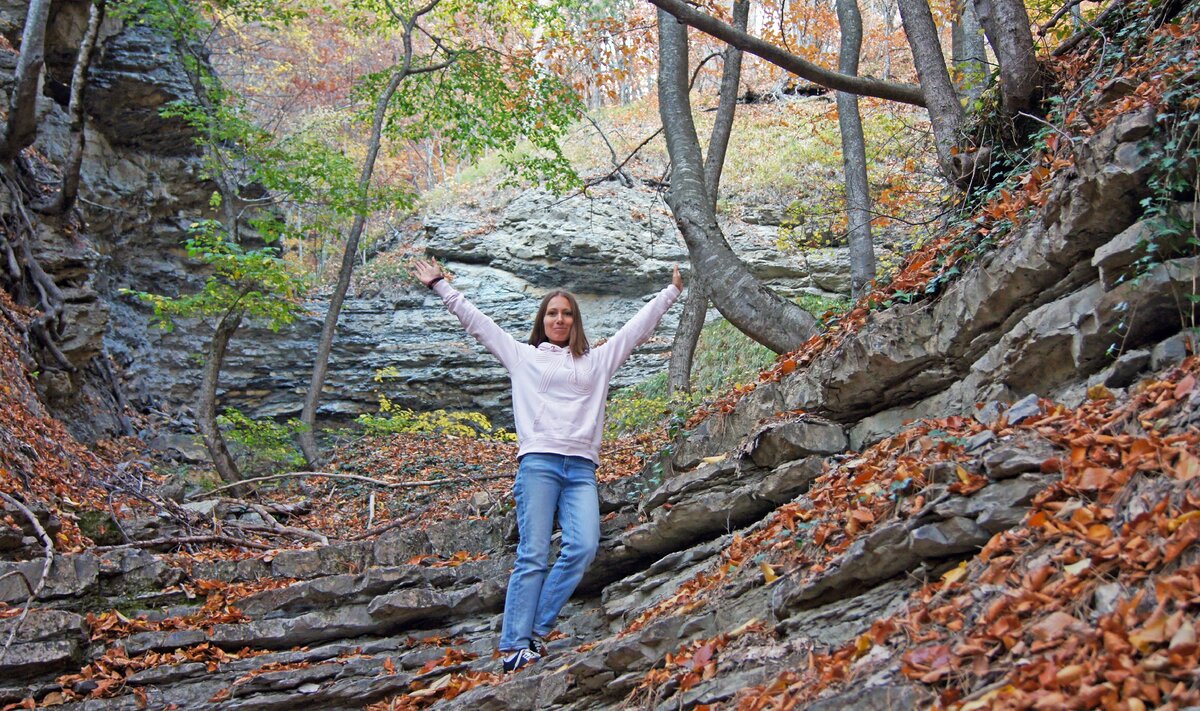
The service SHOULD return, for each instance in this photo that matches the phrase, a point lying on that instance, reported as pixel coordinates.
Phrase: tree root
(36, 590)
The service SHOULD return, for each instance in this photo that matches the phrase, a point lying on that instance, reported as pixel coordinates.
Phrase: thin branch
(48, 546)
(403, 520)
(1070, 43)
(618, 169)
(1057, 16)
(185, 540)
(353, 477)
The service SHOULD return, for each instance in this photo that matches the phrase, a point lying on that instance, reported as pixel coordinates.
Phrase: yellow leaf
(1178, 521)
(862, 645)
(1099, 392)
(768, 572)
(714, 460)
(743, 628)
(963, 475)
(985, 701)
(955, 574)
(1153, 632)
(1079, 566)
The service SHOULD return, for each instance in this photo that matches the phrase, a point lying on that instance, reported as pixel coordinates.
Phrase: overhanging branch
(890, 90)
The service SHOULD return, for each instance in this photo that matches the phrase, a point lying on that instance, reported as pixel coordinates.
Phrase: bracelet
(436, 279)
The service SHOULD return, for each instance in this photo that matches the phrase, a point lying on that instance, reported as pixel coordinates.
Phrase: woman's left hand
(677, 279)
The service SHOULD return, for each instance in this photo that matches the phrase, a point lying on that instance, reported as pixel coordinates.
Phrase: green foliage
(265, 444)
(724, 357)
(640, 407)
(486, 101)
(257, 282)
(807, 225)
(398, 420)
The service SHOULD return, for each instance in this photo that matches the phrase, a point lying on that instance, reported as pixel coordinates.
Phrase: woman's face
(558, 321)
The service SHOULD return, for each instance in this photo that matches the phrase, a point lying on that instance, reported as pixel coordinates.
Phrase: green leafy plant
(264, 445)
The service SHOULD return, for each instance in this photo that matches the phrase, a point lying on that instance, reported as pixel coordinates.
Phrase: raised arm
(616, 350)
(498, 342)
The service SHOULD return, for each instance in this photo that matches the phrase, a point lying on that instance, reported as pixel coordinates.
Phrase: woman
(559, 390)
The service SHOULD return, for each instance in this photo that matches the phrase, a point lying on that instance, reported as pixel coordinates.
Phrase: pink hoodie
(558, 400)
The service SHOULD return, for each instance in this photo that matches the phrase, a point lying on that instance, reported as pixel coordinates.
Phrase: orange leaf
(1186, 468)
(1094, 478)
(1185, 386)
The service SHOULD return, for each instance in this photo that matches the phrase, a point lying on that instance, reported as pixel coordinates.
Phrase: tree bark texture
(892, 91)
(207, 412)
(754, 309)
(945, 113)
(695, 309)
(967, 52)
(67, 194)
(1006, 24)
(21, 128)
(854, 155)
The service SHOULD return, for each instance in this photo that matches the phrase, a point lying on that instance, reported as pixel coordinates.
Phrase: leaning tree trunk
(65, 199)
(945, 113)
(308, 440)
(1006, 24)
(967, 52)
(207, 414)
(695, 310)
(750, 306)
(21, 128)
(854, 155)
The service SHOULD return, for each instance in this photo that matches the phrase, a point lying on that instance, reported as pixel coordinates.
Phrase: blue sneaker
(538, 644)
(520, 658)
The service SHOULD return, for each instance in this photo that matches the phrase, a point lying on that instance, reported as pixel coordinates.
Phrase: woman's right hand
(426, 271)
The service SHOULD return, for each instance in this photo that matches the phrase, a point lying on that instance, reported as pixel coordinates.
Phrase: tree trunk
(967, 52)
(308, 440)
(21, 128)
(207, 414)
(888, 27)
(65, 199)
(854, 155)
(754, 309)
(1006, 24)
(945, 113)
(695, 309)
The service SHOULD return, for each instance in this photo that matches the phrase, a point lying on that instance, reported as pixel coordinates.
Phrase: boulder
(797, 439)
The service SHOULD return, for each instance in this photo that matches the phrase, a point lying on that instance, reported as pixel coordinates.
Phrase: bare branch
(354, 477)
(403, 520)
(185, 540)
(892, 91)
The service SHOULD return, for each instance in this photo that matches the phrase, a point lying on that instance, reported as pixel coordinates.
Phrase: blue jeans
(536, 592)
